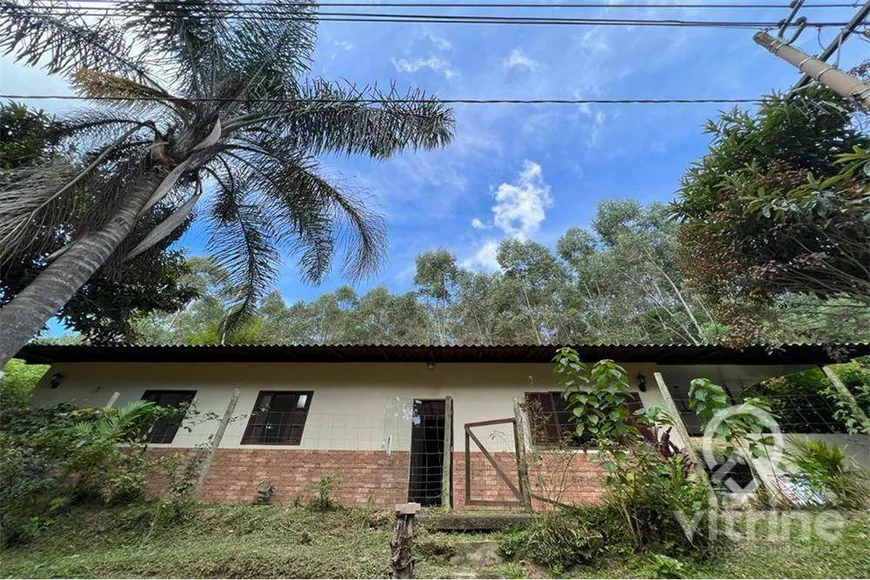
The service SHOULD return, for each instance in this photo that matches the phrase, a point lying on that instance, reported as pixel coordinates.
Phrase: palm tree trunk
(23, 317)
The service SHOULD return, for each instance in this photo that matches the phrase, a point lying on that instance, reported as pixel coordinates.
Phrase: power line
(514, 5)
(450, 101)
(458, 19)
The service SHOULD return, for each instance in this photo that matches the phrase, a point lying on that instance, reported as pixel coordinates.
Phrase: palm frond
(333, 118)
(243, 244)
(340, 221)
(130, 95)
(268, 52)
(65, 43)
(314, 216)
(189, 36)
(99, 124)
(166, 227)
(31, 205)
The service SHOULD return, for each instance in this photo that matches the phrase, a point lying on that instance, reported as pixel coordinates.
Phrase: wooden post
(113, 399)
(447, 464)
(848, 397)
(401, 557)
(215, 442)
(680, 426)
(522, 460)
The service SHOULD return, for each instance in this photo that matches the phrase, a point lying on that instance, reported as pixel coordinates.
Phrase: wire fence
(811, 413)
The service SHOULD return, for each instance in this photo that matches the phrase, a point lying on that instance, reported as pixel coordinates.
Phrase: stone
(476, 555)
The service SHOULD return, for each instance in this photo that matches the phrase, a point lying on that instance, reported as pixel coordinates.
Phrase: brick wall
(236, 474)
(565, 477)
(485, 481)
(157, 484)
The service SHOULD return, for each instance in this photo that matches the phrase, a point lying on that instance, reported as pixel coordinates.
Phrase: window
(550, 419)
(163, 431)
(278, 418)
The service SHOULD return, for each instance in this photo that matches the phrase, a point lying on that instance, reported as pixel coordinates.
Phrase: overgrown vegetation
(830, 471)
(807, 401)
(648, 478)
(241, 541)
(54, 458)
(18, 381)
(778, 206)
(245, 541)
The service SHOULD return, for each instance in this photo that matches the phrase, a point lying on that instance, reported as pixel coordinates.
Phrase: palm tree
(200, 103)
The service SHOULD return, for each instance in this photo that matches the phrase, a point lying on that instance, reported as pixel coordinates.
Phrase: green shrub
(555, 540)
(661, 566)
(831, 471)
(54, 457)
(648, 477)
(323, 501)
(606, 520)
(18, 382)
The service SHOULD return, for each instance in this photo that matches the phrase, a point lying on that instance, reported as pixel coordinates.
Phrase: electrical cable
(449, 101)
(517, 5)
(121, 11)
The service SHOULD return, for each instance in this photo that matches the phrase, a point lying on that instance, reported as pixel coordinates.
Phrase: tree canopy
(219, 104)
(779, 206)
(614, 283)
(118, 292)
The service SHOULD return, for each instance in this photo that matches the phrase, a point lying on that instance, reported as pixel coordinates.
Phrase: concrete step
(472, 522)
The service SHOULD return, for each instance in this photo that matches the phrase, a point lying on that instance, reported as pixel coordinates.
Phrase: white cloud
(522, 206)
(440, 43)
(594, 41)
(485, 258)
(519, 210)
(433, 63)
(519, 60)
(592, 123)
(343, 44)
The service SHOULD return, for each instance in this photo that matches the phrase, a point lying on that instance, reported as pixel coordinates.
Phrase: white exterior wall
(350, 402)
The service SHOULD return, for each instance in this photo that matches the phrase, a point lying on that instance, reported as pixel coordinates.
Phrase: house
(439, 425)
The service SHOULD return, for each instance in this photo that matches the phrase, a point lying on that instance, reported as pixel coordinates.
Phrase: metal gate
(502, 471)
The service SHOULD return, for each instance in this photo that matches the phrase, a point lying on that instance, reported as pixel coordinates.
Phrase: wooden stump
(401, 557)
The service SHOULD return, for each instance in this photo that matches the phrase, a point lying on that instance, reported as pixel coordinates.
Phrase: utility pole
(860, 16)
(830, 76)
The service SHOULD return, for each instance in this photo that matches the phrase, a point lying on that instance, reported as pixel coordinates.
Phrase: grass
(847, 556)
(277, 541)
(216, 541)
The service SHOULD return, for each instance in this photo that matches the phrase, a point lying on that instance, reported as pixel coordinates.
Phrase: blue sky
(519, 170)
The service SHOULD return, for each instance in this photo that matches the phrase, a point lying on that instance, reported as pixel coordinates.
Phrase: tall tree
(236, 114)
(779, 205)
(437, 279)
(533, 276)
(626, 280)
(118, 292)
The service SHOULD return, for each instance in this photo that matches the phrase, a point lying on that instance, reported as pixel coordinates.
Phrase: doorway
(426, 475)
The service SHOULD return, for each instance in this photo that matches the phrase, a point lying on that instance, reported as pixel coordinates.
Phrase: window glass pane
(279, 418)
(284, 402)
(164, 431)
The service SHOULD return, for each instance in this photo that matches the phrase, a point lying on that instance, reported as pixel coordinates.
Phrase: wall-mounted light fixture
(430, 365)
(54, 382)
(641, 382)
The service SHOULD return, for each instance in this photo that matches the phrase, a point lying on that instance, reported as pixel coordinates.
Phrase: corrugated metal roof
(506, 353)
